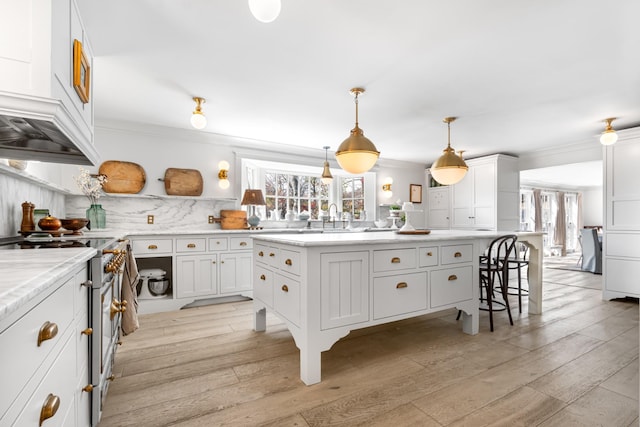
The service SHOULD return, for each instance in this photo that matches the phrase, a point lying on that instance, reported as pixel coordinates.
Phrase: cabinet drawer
(289, 261)
(456, 254)
(622, 245)
(622, 276)
(240, 243)
(399, 294)
(450, 286)
(266, 254)
(20, 341)
(191, 245)
(394, 259)
(428, 257)
(152, 246)
(218, 244)
(263, 285)
(286, 298)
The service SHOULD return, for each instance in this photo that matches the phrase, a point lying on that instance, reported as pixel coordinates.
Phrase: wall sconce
(609, 136)
(223, 174)
(198, 120)
(386, 187)
(265, 10)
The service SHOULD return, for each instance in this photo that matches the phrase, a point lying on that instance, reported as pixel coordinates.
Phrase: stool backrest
(500, 250)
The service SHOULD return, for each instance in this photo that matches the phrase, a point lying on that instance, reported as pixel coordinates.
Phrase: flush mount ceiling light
(357, 154)
(609, 136)
(327, 178)
(449, 168)
(198, 120)
(265, 10)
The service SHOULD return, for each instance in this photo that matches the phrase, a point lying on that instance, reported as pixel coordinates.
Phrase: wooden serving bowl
(74, 224)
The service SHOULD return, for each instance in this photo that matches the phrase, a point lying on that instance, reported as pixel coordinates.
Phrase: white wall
(592, 206)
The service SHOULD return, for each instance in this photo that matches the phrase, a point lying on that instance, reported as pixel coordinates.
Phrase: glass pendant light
(609, 136)
(198, 120)
(265, 10)
(357, 154)
(449, 168)
(327, 178)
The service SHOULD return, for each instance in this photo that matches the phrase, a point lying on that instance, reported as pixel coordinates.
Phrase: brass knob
(50, 407)
(87, 283)
(243, 243)
(221, 262)
(395, 260)
(288, 262)
(116, 307)
(119, 342)
(111, 378)
(152, 247)
(88, 388)
(213, 262)
(263, 277)
(457, 255)
(401, 285)
(272, 254)
(47, 331)
(191, 245)
(429, 253)
(452, 277)
(260, 253)
(285, 288)
(87, 331)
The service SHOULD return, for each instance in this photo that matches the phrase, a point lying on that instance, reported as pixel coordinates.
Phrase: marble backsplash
(14, 192)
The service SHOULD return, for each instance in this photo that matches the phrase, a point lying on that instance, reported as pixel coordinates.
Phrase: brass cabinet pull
(272, 254)
(88, 388)
(457, 255)
(88, 283)
(288, 262)
(152, 247)
(117, 307)
(213, 262)
(285, 288)
(111, 378)
(191, 245)
(243, 243)
(401, 285)
(50, 407)
(395, 260)
(87, 331)
(217, 242)
(260, 253)
(429, 253)
(47, 331)
(452, 277)
(221, 262)
(263, 277)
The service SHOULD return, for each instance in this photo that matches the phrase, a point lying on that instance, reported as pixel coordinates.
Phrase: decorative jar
(97, 217)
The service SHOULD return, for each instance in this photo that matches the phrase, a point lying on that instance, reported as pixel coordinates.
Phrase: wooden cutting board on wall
(233, 220)
(123, 177)
(183, 182)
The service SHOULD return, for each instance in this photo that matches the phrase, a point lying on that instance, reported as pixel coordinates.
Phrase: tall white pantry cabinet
(487, 198)
(621, 240)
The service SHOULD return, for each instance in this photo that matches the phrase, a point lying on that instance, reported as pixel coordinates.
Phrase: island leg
(259, 319)
(470, 318)
(310, 364)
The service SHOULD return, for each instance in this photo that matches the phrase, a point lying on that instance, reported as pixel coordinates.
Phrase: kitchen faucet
(331, 219)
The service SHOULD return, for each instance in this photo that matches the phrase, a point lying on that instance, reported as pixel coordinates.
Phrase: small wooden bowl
(74, 224)
(49, 223)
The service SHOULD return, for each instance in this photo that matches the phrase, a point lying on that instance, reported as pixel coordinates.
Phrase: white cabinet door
(197, 275)
(235, 272)
(484, 195)
(438, 207)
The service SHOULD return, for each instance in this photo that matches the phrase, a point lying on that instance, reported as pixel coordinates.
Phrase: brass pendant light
(198, 120)
(449, 168)
(357, 154)
(326, 178)
(609, 136)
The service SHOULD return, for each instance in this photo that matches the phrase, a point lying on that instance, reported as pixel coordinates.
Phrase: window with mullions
(352, 195)
(296, 193)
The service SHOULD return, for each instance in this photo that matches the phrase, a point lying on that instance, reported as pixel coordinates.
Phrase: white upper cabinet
(37, 78)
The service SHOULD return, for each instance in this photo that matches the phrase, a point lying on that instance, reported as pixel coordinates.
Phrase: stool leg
(519, 289)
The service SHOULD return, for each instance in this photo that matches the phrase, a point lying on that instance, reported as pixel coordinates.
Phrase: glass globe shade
(198, 120)
(265, 10)
(224, 184)
(223, 165)
(608, 137)
(449, 168)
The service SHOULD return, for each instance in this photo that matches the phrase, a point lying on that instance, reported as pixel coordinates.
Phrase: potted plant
(394, 210)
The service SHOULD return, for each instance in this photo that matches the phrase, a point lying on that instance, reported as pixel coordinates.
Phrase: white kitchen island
(322, 286)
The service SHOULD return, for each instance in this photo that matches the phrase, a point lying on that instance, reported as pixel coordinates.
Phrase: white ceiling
(582, 175)
(520, 75)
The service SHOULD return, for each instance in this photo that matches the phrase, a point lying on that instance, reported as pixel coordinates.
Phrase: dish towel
(130, 294)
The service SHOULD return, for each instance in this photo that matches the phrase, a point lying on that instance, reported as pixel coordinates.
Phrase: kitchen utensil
(49, 223)
(123, 177)
(183, 182)
(74, 224)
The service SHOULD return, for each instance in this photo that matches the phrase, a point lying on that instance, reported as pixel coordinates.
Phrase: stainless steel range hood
(34, 128)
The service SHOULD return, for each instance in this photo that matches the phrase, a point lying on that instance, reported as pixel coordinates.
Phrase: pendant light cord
(356, 102)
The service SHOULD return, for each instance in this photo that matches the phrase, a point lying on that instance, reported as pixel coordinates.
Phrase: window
(352, 195)
(296, 193)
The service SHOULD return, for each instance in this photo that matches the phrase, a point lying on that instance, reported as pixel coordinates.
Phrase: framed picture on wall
(415, 193)
(81, 72)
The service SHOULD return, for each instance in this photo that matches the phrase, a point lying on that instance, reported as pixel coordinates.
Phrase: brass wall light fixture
(357, 154)
(609, 136)
(386, 187)
(265, 10)
(326, 178)
(223, 174)
(450, 168)
(198, 120)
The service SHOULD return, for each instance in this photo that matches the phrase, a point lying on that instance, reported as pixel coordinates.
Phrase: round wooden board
(123, 177)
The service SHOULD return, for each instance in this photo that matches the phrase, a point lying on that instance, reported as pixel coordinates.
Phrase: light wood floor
(574, 365)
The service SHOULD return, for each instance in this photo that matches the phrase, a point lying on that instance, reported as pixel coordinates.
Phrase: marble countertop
(27, 273)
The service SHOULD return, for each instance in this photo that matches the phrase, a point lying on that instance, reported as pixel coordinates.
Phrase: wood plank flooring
(574, 365)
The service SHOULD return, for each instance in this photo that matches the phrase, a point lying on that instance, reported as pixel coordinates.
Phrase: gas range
(9, 243)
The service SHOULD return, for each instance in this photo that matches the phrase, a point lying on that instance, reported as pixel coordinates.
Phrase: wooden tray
(57, 233)
(123, 177)
(183, 182)
(414, 232)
